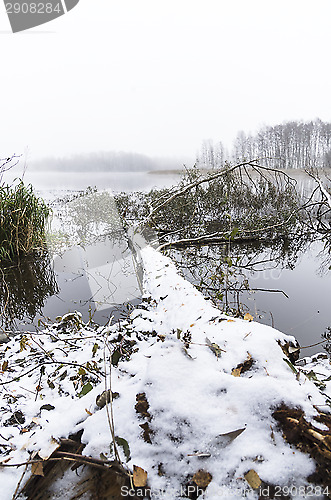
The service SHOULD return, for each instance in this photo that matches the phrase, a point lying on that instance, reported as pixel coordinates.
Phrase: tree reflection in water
(24, 288)
(222, 272)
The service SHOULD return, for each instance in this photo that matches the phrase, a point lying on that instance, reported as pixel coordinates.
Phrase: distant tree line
(289, 145)
(110, 161)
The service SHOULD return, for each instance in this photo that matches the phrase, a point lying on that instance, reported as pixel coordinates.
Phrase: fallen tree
(243, 202)
(179, 401)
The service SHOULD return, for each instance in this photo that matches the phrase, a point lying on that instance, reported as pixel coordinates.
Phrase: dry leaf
(37, 469)
(230, 320)
(214, 348)
(185, 351)
(191, 325)
(291, 350)
(142, 405)
(227, 438)
(103, 398)
(88, 411)
(202, 478)
(236, 372)
(139, 477)
(253, 479)
(46, 452)
(243, 367)
(248, 317)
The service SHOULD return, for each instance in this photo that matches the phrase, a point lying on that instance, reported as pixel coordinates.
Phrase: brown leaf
(142, 405)
(139, 477)
(37, 469)
(236, 372)
(253, 479)
(248, 317)
(4, 366)
(243, 367)
(105, 397)
(146, 435)
(291, 350)
(202, 478)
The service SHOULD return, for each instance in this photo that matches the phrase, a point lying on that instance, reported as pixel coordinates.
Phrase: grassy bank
(23, 218)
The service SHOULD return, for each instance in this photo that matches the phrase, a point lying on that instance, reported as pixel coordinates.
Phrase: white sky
(160, 76)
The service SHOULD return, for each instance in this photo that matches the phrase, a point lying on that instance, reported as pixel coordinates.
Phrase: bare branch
(204, 180)
(221, 237)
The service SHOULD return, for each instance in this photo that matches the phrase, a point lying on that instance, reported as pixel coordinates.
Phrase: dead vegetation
(309, 438)
(99, 479)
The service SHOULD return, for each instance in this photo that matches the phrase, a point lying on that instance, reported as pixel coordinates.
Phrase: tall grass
(23, 218)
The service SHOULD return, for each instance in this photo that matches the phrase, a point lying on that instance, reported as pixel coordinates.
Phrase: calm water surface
(101, 274)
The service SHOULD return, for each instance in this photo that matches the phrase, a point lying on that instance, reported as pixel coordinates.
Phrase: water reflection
(281, 284)
(95, 267)
(92, 266)
(24, 288)
(93, 260)
(223, 272)
(98, 277)
(116, 181)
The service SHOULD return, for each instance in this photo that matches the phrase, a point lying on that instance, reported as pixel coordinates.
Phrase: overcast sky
(160, 76)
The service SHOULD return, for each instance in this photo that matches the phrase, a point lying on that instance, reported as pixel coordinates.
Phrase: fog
(106, 162)
(159, 78)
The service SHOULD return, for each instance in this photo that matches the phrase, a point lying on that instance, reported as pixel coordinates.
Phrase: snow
(183, 359)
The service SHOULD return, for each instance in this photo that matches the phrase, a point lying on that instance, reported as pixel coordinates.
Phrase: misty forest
(181, 331)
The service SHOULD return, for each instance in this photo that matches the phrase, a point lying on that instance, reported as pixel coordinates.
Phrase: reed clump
(23, 218)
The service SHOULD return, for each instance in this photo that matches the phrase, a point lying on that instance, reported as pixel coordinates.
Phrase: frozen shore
(195, 396)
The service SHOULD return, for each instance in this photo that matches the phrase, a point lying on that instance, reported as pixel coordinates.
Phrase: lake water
(305, 312)
(53, 183)
(291, 294)
(95, 278)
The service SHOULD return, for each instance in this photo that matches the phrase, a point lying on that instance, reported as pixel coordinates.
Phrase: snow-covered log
(193, 404)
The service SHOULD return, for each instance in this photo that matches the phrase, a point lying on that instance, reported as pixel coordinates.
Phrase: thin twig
(17, 492)
(269, 290)
(51, 363)
(313, 345)
(109, 401)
